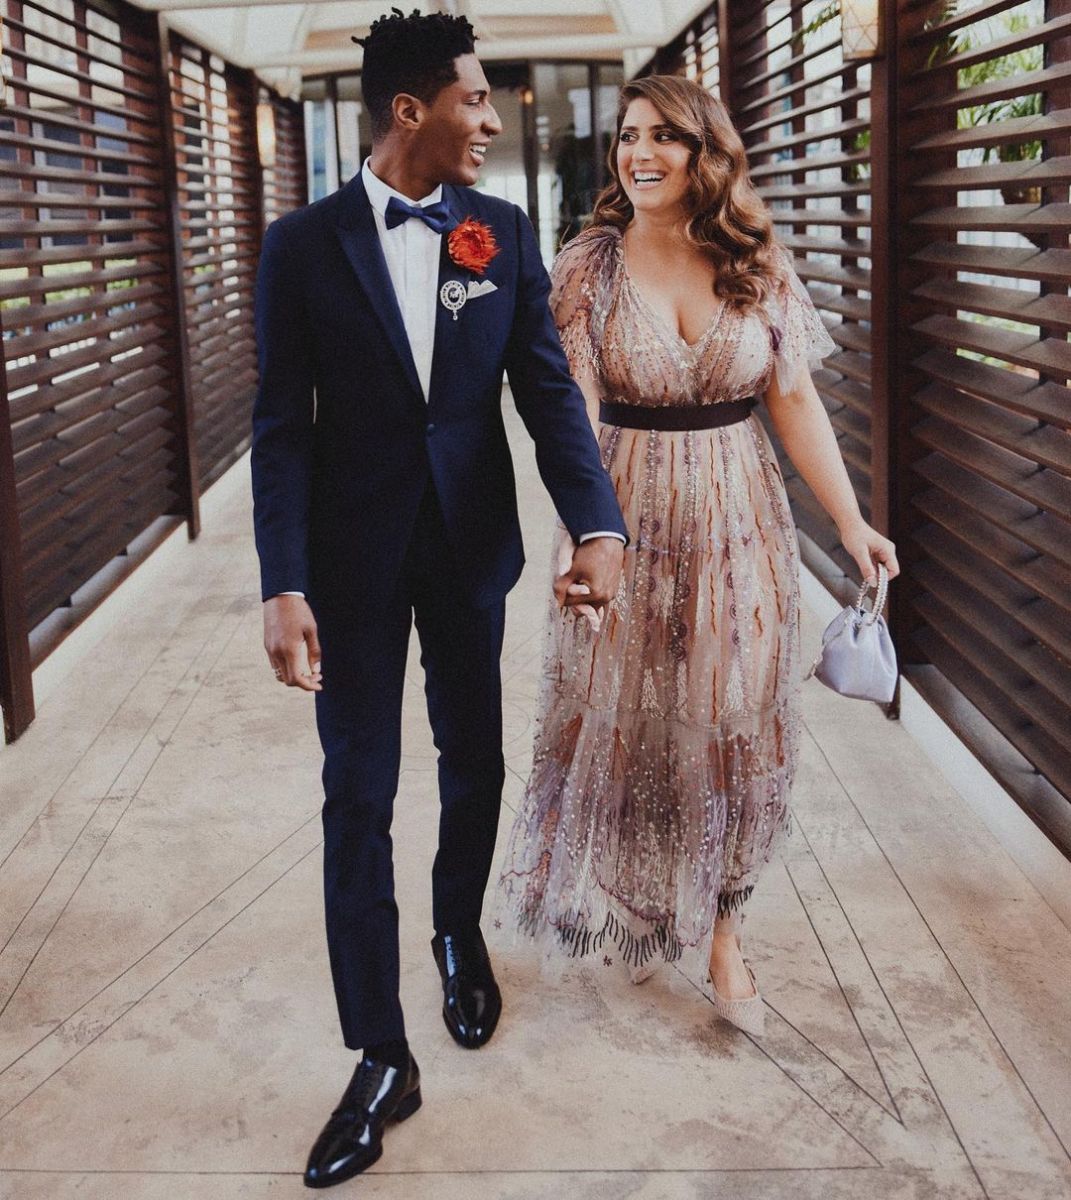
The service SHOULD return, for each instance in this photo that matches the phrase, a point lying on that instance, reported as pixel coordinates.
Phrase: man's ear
(409, 111)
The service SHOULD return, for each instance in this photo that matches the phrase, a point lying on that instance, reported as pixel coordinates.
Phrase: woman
(668, 738)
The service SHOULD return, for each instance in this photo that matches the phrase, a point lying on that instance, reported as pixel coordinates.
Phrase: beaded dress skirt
(666, 743)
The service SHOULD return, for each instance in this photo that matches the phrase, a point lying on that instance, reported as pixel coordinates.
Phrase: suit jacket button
(431, 427)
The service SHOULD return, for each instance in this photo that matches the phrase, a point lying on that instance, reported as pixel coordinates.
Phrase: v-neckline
(653, 313)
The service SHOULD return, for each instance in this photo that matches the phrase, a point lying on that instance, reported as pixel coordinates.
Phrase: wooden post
(252, 90)
(16, 673)
(884, 294)
(884, 269)
(189, 471)
(725, 57)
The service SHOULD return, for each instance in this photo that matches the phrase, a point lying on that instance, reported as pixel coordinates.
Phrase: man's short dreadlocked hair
(412, 54)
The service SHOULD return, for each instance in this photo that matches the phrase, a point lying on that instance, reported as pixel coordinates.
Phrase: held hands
(868, 548)
(291, 642)
(588, 575)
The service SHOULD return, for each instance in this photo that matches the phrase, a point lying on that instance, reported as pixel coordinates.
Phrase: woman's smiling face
(652, 160)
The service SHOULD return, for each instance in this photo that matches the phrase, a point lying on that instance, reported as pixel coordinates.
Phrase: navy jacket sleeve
(283, 414)
(552, 406)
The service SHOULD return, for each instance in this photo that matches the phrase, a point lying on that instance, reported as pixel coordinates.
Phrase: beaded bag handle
(882, 588)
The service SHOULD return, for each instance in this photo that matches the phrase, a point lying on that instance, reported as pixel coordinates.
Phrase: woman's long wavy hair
(724, 217)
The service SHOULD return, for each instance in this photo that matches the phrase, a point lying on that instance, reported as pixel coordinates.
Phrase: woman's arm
(803, 425)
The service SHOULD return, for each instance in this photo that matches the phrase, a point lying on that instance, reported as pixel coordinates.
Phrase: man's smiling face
(458, 126)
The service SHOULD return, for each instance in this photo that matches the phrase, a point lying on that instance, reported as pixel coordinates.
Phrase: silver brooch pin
(453, 295)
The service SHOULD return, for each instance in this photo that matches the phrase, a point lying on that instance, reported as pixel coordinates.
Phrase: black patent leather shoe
(472, 1002)
(352, 1140)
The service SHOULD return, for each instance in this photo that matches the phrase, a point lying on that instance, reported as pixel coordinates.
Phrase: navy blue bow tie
(436, 216)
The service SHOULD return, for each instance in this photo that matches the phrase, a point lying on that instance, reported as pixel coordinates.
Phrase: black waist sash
(676, 418)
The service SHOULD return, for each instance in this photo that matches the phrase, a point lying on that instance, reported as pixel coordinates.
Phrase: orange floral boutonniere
(472, 245)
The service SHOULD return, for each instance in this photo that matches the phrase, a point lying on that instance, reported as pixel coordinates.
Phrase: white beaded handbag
(858, 658)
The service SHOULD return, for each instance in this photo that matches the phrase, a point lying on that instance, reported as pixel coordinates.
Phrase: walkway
(167, 1028)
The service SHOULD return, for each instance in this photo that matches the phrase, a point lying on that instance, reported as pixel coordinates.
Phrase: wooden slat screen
(934, 240)
(286, 181)
(802, 112)
(694, 53)
(213, 110)
(131, 211)
(84, 289)
(986, 121)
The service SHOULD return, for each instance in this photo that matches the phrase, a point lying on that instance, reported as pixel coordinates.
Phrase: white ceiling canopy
(284, 41)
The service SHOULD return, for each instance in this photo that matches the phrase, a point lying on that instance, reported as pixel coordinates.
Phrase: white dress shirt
(412, 252)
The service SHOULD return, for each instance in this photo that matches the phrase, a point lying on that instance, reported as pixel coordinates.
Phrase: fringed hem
(732, 902)
(581, 940)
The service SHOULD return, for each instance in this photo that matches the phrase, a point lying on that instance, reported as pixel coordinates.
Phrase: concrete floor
(167, 1026)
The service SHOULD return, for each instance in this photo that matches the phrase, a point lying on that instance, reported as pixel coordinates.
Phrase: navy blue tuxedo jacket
(344, 442)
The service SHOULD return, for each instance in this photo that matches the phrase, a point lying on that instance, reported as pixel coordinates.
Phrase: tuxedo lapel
(356, 229)
(447, 331)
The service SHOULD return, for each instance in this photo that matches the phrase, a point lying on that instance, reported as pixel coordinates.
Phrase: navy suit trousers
(358, 715)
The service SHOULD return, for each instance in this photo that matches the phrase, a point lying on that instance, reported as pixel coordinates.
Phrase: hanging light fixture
(266, 134)
(860, 28)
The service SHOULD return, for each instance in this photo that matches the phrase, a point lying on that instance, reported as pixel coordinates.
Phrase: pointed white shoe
(748, 1014)
(644, 972)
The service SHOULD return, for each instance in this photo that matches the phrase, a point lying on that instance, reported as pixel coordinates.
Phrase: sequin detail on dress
(666, 744)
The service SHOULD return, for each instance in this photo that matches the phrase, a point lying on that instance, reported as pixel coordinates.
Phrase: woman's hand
(565, 561)
(868, 547)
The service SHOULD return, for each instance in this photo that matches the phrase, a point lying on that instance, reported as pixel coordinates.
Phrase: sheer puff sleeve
(796, 331)
(580, 295)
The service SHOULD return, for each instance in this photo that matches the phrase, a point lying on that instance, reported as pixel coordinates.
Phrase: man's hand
(291, 642)
(592, 576)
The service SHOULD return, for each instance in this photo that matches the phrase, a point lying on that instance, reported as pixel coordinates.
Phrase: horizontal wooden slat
(1045, 620)
(779, 145)
(127, 132)
(1012, 472)
(1050, 266)
(89, 103)
(138, 95)
(47, 369)
(805, 164)
(952, 20)
(52, 395)
(999, 633)
(1043, 444)
(74, 254)
(1016, 304)
(783, 93)
(1001, 174)
(42, 145)
(845, 247)
(1032, 35)
(1001, 509)
(1043, 401)
(131, 43)
(751, 128)
(991, 547)
(1027, 705)
(1002, 132)
(948, 654)
(1024, 218)
(18, 318)
(1000, 89)
(1049, 355)
(44, 342)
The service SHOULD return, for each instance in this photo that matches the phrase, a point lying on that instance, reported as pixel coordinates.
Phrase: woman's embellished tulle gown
(666, 743)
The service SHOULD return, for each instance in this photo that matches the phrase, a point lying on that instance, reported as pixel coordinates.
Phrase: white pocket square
(480, 288)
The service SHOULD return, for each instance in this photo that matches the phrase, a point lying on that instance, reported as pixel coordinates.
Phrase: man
(383, 491)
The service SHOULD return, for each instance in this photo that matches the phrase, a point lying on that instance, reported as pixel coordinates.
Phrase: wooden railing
(131, 211)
